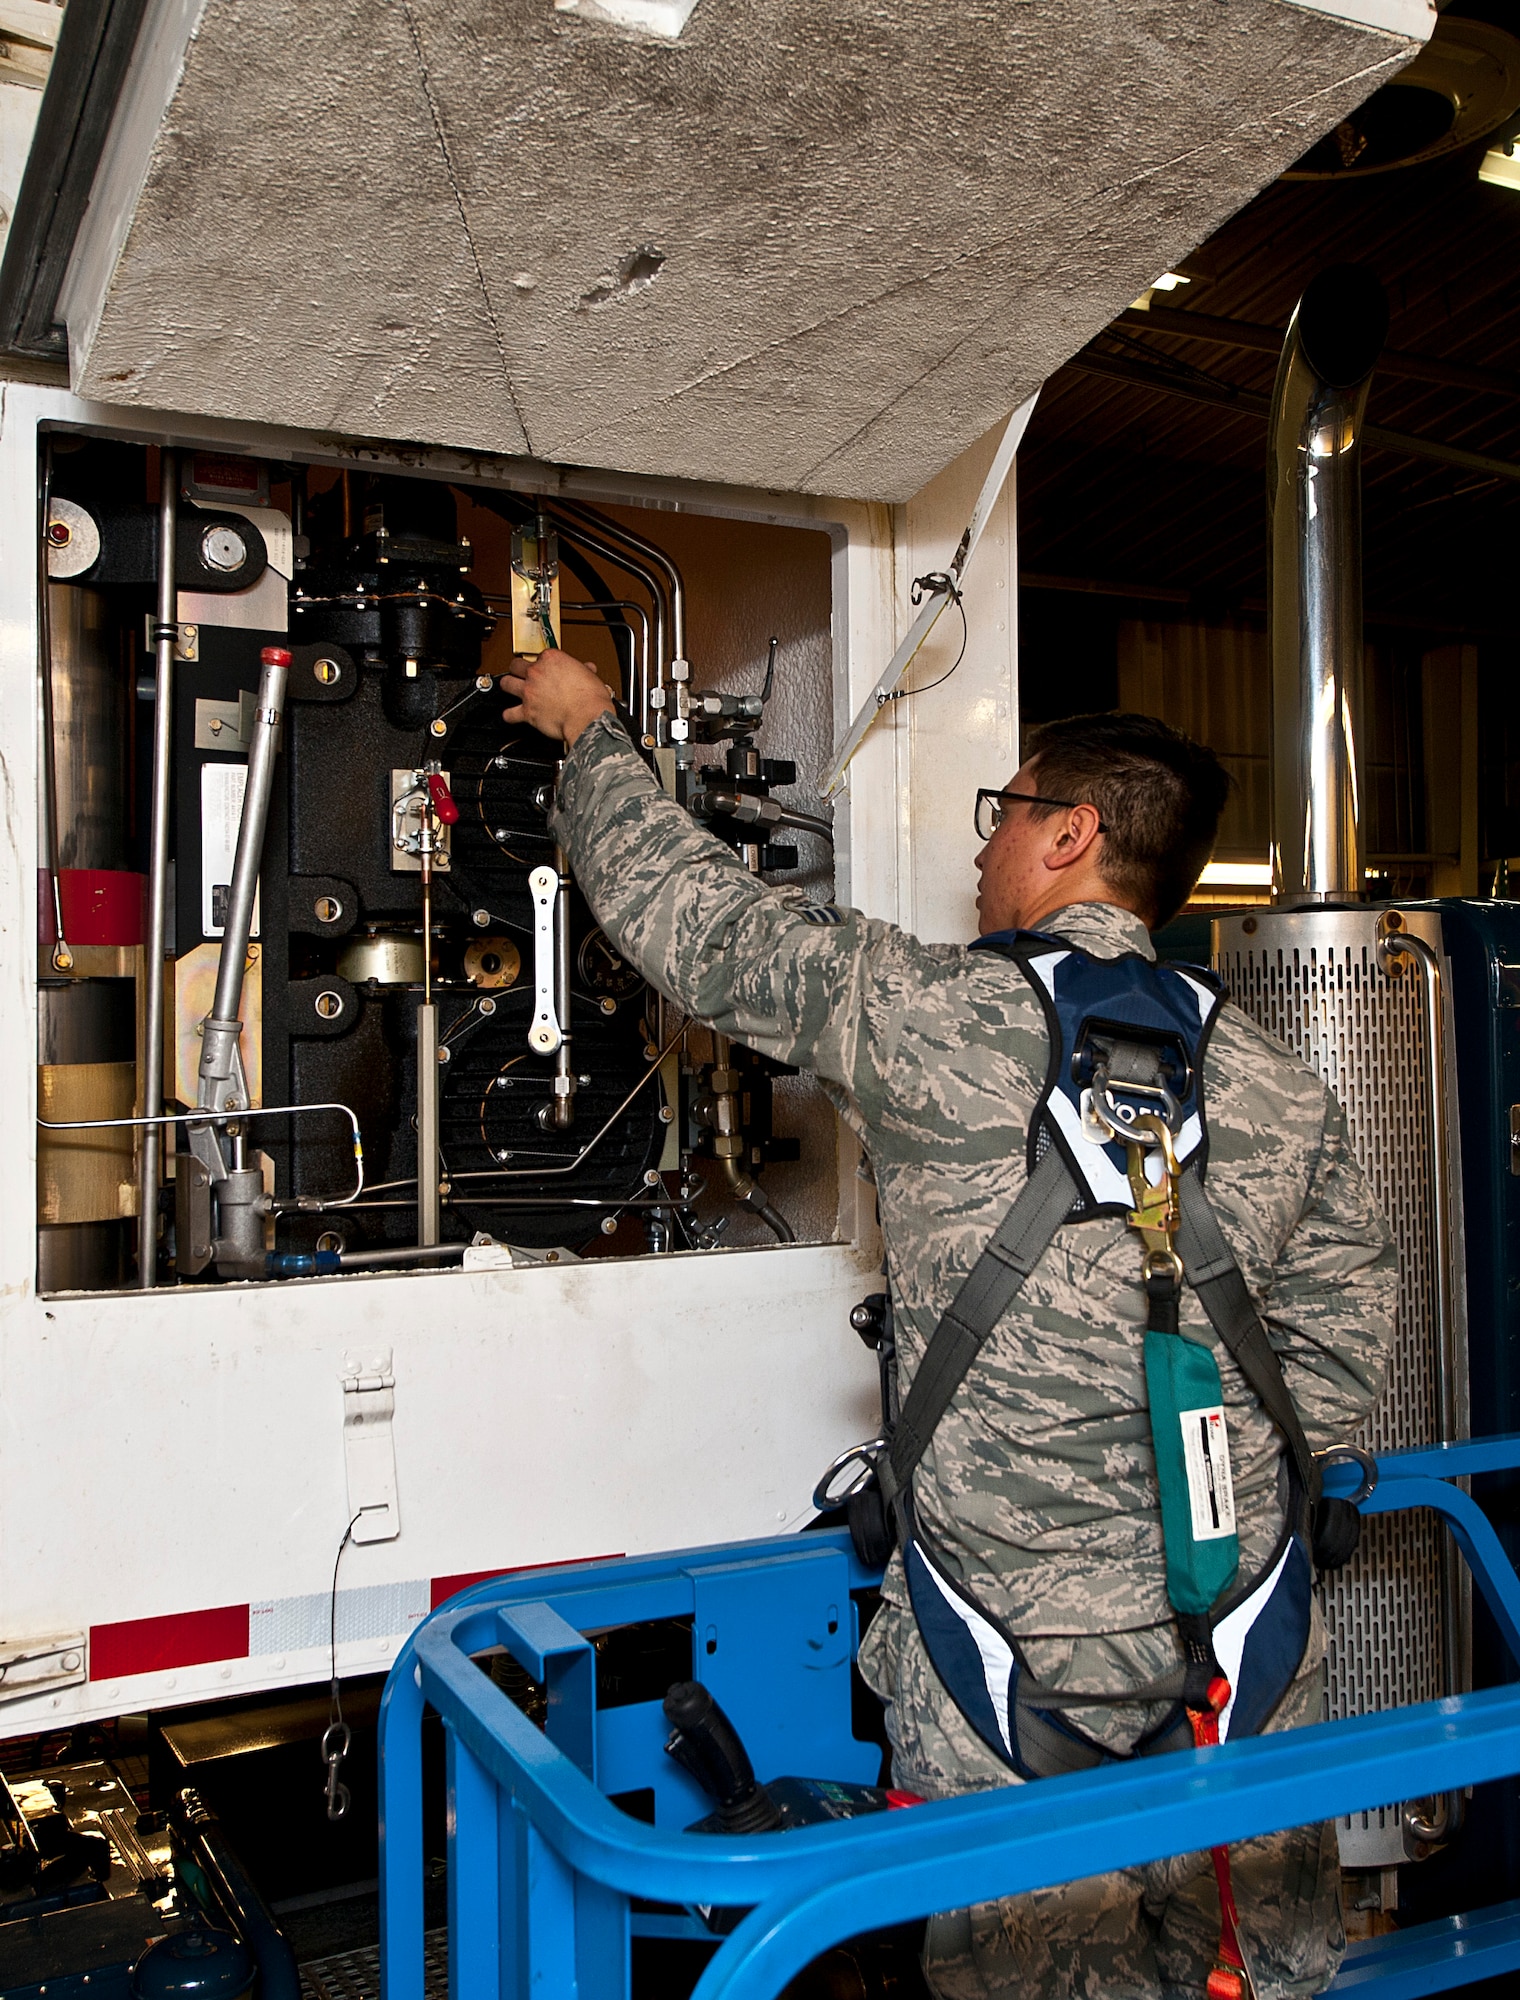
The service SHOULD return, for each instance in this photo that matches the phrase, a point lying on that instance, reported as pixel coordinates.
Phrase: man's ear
(1077, 839)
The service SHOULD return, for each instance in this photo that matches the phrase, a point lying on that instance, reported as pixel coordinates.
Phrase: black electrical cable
(519, 513)
(337, 1737)
(902, 694)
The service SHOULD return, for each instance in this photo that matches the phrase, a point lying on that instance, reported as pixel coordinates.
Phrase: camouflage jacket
(1039, 1485)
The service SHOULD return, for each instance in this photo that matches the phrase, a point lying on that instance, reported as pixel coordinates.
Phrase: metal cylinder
(91, 733)
(1314, 514)
(273, 675)
(165, 638)
(1324, 982)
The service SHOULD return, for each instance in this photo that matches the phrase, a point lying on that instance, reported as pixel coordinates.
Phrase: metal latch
(369, 1450)
(31, 1666)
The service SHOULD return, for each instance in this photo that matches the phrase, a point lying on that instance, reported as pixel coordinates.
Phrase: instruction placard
(222, 788)
(1211, 1492)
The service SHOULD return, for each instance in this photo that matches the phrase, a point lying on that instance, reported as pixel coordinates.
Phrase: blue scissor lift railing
(543, 1871)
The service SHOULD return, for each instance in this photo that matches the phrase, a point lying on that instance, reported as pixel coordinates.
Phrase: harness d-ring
(865, 1455)
(1355, 1455)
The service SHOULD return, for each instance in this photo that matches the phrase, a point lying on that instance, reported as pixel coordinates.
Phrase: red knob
(275, 656)
(443, 799)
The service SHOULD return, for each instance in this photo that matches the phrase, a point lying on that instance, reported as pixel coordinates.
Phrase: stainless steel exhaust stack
(1314, 513)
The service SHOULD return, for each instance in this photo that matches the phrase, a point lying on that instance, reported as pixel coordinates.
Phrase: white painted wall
(183, 1450)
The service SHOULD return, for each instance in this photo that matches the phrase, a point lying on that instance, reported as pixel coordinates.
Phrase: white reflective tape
(1232, 1631)
(997, 1655)
(1206, 1454)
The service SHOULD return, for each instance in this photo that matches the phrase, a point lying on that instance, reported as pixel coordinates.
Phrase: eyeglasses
(990, 808)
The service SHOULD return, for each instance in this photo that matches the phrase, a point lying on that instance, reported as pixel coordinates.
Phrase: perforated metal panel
(1312, 978)
(355, 1975)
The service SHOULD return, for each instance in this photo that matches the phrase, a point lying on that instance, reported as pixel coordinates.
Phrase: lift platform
(549, 1879)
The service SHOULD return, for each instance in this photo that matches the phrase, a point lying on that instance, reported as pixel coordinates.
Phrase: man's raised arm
(805, 983)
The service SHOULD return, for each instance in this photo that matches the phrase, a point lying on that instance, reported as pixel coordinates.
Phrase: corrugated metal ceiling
(1122, 485)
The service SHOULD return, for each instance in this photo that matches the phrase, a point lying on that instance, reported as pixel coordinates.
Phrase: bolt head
(480, 918)
(651, 1178)
(609, 1225)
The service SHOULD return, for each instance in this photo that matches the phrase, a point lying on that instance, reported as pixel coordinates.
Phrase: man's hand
(558, 695)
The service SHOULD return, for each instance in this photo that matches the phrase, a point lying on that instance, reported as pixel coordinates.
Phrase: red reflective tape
(445, 1587)
(100, 906)
(184, 1639)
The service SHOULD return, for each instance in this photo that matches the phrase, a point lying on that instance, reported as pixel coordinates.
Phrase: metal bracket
(32, 1666)
(544, 1035)
(369, 1450)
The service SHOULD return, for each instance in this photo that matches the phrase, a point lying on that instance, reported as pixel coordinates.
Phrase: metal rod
(402, 1253)
(165, 636)
(315, 1204)
(563, 1104)
(273, 674)
(1396, 944)
(638, 692)
(428, 1218)
(651, 553)
(63, 958)
(576, 530)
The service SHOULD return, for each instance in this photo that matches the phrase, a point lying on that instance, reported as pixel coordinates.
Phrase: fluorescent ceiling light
(1236, 875)
(665, 18)
(1501, 166)
(1167, 282)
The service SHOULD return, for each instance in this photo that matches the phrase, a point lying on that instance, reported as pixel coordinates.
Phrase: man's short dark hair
(1158, 793)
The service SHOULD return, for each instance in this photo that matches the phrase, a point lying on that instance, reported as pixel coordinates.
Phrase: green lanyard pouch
(1193, 1469)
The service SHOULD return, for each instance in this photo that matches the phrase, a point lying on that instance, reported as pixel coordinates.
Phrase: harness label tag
(1206, 1453)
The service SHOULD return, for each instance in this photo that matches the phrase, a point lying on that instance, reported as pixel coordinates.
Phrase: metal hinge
(369, 1450)
(32, 1666)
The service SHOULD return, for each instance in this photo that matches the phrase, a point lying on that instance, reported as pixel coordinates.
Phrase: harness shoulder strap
(1216, 1277)
(985, 1294)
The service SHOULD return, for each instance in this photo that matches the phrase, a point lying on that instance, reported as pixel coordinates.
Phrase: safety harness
(1119, 1128)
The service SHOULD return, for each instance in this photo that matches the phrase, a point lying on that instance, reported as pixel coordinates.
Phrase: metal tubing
(651, 552)
(165, 636)
(401, 1253)
(428, 1212)
(1314, 513)
(1396, 944)
(250, 847)
(63, 958)
(652, 582)
(638, 701)
(563, 1103)
(313, 1204)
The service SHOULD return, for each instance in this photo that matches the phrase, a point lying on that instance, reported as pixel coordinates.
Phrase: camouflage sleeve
(804, 983)
(1330, 1306)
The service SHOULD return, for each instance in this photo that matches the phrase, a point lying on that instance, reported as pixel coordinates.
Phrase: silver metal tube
(575, 530)
(563, 1105)
(63, 958)
(273, 675)
(1314, 512)
(1393, 945)
(651, 552)
(638, 701)
(428, 1205)
(165, 636)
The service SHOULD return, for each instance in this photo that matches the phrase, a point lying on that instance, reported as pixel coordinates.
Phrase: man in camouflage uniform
(1039, 1487)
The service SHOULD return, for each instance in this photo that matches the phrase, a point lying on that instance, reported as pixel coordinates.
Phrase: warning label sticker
(1206, 1454)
